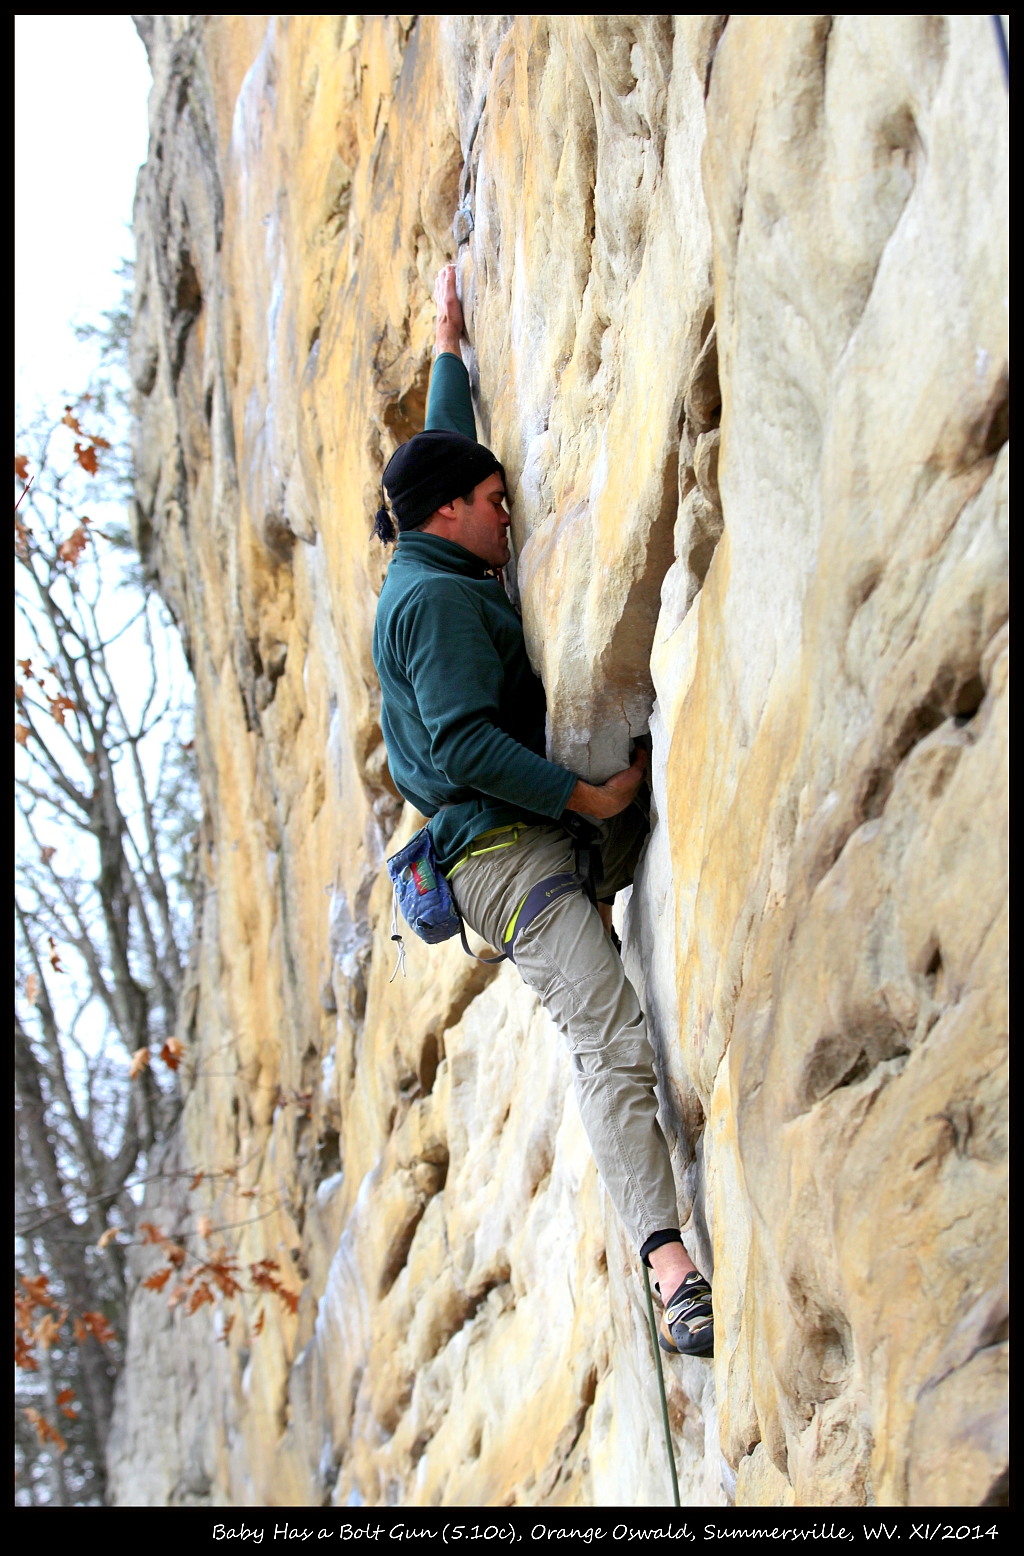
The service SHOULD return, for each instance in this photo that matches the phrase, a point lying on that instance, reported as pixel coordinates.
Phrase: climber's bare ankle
(671, 1264)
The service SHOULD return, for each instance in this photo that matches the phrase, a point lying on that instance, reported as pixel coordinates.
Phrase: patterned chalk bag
(422, 892)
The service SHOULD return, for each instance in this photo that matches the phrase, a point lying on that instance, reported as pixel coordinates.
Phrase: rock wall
(736, 292)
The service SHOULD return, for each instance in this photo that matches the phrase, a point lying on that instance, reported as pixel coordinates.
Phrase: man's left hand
(450, 321)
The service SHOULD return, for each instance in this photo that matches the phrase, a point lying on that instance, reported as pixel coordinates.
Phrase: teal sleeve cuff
(449, 403)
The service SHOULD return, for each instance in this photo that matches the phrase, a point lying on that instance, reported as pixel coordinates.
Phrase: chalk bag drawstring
(400, 963)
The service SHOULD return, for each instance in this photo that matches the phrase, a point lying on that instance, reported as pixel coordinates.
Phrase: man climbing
(463, 719)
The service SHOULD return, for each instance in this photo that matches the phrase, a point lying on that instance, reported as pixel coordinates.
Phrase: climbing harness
(421, 890)
(661, 1387)
(536, 900)
(470, 852)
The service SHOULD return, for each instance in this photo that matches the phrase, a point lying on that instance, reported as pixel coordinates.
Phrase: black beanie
(431, 469)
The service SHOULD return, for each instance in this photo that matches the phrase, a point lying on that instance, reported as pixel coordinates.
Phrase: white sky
(81, 133)
(81, 84)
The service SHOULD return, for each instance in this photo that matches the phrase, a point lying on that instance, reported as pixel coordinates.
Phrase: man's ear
(447, 510)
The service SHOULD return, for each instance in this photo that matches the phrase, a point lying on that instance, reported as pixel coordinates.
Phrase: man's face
(480, 526)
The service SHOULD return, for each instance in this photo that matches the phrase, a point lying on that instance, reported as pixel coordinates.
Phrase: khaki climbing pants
(569, 961)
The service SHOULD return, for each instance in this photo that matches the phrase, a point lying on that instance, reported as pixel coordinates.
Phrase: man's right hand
(450, 322)
(603, 800)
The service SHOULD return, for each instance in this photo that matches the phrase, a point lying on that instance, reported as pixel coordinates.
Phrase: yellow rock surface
(736, 306)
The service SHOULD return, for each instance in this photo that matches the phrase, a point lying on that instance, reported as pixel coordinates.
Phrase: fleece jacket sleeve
(449, 403)
(458, 678)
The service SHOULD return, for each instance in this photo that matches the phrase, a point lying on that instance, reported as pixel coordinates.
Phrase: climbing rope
(661, 1386)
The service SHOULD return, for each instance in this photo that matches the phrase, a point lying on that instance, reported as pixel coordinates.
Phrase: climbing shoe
(686, 1326)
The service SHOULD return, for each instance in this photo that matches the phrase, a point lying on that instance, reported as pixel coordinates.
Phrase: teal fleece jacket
(461, 710)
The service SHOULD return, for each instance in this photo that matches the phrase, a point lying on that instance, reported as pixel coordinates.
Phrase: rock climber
(463, 718)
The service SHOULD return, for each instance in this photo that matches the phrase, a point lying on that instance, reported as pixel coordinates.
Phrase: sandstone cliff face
(737, 303)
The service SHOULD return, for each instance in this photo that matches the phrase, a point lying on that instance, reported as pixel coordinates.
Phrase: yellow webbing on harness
(510, 931)
(491, 848)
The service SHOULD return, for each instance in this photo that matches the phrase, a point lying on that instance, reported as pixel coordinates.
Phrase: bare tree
(106, 816)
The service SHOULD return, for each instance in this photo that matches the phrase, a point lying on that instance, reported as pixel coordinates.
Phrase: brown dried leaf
(140, 1062)
(86, 456)
(60, 705)
(223, 1270)
(228, 1325)
(31, 988)
(171, 1053)
(204, 1226)
(262, 1276)
(21, 733)
(159, 1278)
(70, 550)
(201, 1295)
(47, 1331)
(44, 1431)
(196, 1181)
(21, 468)
(23, 1357)
(99, 1326)
(261, 1319)
(47, 853)
(108, 1237)
(37, 1288)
